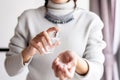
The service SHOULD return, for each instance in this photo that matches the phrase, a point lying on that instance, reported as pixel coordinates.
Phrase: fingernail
(47, 47)
(43, 50)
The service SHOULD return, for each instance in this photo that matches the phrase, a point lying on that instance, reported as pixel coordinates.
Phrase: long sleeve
(14, 62)
(93, 52)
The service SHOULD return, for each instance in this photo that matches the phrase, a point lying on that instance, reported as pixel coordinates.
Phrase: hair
(46, 2)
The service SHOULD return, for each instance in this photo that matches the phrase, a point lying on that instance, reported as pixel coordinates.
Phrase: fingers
(38, 46)
(59, 73)
(47, 38)
(69, 72)
(55, 66)
(70, 69)
(61, 76)
(65, 65)
(60, 69)
(42, 42)
(53, 29)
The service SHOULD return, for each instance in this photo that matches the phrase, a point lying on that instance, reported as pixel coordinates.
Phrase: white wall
(9, 11)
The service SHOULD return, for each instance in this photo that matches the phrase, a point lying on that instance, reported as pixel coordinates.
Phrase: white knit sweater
(83, 35)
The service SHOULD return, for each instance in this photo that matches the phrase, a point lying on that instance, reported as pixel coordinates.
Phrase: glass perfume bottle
(54, 38)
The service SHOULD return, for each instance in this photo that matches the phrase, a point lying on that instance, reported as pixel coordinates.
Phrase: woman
(77, 55)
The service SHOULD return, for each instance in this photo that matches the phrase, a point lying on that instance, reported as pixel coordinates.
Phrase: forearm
(82, 66)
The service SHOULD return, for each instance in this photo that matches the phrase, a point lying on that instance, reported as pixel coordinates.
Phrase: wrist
(27, 53)
(81, 66)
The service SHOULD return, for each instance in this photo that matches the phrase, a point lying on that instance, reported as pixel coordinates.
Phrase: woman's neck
(60, 9)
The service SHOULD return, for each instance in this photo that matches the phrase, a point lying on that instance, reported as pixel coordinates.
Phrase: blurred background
(108, 10)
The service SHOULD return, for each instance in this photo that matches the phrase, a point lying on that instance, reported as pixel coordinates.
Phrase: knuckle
(34, 45)
(38, 35)
(38, 43)
(68, 51)
(41, 38)
(41, 34)
(44, 32)
(32, 42)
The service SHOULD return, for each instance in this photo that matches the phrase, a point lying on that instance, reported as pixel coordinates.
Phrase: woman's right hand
(41, 43)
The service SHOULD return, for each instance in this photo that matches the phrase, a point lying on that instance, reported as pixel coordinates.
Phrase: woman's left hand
(64, 65)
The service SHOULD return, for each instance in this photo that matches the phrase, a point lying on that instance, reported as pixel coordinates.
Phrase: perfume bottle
(54, 38)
